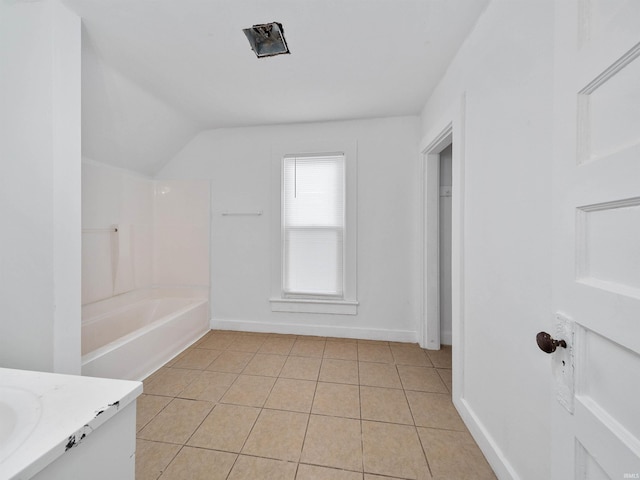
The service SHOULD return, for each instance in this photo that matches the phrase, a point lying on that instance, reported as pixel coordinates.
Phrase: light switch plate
(563, 362)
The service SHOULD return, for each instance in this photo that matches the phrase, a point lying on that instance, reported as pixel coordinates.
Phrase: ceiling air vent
(267, 39)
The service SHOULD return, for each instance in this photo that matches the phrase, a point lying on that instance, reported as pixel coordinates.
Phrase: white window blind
(313, 224)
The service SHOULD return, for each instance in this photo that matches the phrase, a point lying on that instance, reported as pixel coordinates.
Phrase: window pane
(313, 225)
(314, 191)
(313, 261)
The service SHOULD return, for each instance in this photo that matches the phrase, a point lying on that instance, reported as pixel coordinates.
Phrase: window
(313, 229)
(313, 226)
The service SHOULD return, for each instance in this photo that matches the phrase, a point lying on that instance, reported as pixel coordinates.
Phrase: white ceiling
(155, 72)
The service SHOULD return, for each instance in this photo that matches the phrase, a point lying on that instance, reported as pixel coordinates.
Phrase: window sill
(298, 305)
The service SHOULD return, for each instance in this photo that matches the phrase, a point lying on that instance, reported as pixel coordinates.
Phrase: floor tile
(338, 400)
(440, 358)
(409, 355)
(209, 386)
(170, 382)
(379, 375)
(246, 343)
(265, 365)
(225, 428)
(153, 457)
(393, 450)
(301, 368)
(385, 405)
(231, 362)
(422, 379)
(199, 464)
(219, 397)
(197, 358)
(254, 468)
(249, 390)
(342, 340)
(277, 345)
(313, 472)
(445, 375)
(218, 341)
(277, 434)
(364, 341)
(369, 476)
(177, 421)
(204, 337)
(434, 410)
(147, 407)
(341, 350)
(374, 352)
(308, 348)
(292, 395)
(339, 371)
(333, 442)
(454, 455)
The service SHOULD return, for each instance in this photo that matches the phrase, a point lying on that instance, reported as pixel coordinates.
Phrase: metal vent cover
(267, 39)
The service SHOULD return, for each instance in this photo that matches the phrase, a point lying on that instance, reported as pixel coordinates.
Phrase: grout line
(306, 430)
(171, 461)
(415, 428)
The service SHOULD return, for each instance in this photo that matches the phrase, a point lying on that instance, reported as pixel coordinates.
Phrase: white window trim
(279, 302)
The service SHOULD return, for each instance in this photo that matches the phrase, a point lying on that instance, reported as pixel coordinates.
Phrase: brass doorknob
(548, 344)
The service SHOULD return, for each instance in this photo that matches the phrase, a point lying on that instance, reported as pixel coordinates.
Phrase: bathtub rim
(123, 300)
(99, 352)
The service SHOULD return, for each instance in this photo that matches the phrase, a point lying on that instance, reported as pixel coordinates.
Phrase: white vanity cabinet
(77, 427)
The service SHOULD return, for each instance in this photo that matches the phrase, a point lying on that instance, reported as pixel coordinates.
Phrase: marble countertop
(43, 415)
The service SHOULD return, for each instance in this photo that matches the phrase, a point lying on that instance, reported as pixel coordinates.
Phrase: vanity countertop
(43, 415)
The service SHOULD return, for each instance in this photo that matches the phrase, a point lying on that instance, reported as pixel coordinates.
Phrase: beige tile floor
(264, 406)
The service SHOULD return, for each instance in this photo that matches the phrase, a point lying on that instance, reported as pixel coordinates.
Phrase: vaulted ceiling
(156, 72)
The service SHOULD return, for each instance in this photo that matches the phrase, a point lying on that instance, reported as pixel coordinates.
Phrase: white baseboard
(494, 455)
(316, 330)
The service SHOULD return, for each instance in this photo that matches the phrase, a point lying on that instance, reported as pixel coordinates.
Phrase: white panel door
(596, 422)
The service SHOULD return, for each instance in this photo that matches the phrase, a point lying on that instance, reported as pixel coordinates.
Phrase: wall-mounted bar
(245, 214)
(100, 230)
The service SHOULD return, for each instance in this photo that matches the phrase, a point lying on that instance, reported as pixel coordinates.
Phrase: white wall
(238, 162)
(39, 186)
(122, 123)
(505, 70)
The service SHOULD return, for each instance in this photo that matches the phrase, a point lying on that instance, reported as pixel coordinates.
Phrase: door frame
(430, 337)
(450, 130)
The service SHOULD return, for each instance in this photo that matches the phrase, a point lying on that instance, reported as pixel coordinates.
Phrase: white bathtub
(132, 335)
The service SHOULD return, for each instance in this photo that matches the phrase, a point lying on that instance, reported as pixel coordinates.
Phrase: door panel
(597, 241)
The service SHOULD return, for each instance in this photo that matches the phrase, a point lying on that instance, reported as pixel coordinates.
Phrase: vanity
(56, 427)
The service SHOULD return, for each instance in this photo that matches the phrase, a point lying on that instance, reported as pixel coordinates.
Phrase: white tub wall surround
(145, 270)
(121, 253)
(97, 265)
(181, 233)
(111, 262)
(139, 232)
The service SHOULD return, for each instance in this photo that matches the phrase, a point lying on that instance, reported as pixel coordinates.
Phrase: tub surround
(72, 411)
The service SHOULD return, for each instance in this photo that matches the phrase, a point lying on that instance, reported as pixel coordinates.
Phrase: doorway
(437, 235)
(444, 245)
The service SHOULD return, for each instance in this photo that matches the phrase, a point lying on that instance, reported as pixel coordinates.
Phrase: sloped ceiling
(156, 72)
